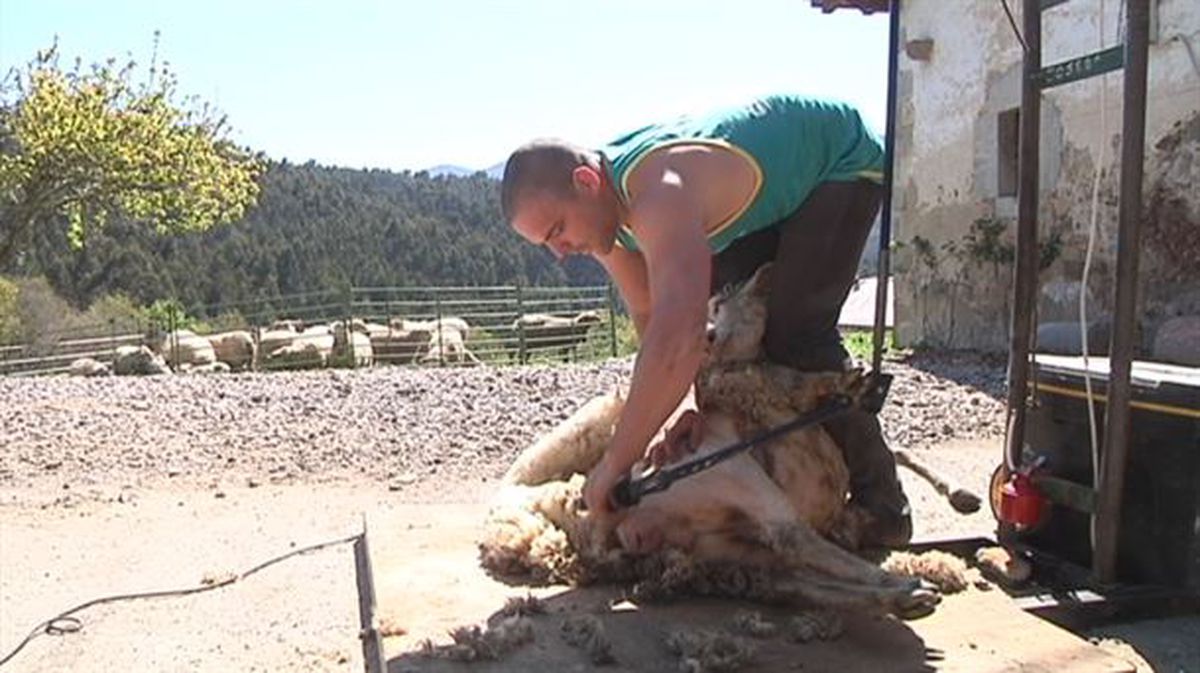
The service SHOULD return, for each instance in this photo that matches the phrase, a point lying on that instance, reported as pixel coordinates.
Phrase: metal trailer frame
(1035, 78)
(1133, 56)
(1070, 594)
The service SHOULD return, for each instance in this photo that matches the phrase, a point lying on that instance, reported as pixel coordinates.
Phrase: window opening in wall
(1008, 133)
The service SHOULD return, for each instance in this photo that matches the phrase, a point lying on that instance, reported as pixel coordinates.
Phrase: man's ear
(586, 179)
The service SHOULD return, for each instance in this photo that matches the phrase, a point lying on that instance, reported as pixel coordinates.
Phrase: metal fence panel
(388, 326)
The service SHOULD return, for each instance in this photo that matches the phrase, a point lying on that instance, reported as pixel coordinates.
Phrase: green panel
(1089, 65)
(1066, 493)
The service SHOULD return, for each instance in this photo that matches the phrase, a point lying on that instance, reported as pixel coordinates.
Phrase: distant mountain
(495, 171)
(451, 170)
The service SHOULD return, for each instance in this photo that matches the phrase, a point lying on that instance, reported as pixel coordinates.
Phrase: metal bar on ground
(373, 659)
(1025, 271)
(1116, 419)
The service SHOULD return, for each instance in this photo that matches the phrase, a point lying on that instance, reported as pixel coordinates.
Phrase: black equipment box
(1159, 542)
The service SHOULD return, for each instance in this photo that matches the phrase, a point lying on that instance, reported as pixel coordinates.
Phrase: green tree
(10, 319)
(168, 313)
(90, 144)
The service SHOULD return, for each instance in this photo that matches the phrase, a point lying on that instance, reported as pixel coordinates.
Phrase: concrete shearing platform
(428, 581)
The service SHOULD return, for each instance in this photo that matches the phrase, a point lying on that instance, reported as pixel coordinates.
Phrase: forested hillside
(313, 228)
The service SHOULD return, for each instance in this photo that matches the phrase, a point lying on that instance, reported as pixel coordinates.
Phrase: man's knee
(822, 354)
(871, 463)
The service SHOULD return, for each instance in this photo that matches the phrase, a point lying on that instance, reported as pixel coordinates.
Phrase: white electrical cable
(1087, 269)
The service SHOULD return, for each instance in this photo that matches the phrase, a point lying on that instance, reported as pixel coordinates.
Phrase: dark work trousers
(816, 251)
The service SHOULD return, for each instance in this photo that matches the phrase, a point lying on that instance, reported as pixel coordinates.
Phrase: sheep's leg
(828, 575)
(799, 546)
(961, 499)
(815, 589)
(573, 446)
(472, 357)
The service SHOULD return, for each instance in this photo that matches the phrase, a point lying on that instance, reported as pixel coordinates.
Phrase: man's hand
(599, 486)
(681, 439)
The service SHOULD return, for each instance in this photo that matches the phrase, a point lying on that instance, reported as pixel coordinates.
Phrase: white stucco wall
(946, 170)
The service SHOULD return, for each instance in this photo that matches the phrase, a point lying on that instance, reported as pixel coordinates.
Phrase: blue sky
(407, 84)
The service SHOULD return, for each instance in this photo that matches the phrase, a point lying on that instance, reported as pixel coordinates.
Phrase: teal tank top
(795, 143)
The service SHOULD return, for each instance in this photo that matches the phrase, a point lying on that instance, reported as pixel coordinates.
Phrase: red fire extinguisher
(1022, 503)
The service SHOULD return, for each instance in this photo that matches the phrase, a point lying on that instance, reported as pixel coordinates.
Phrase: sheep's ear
(761, 282)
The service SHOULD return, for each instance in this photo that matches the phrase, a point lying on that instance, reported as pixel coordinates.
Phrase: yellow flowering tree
(88, 144)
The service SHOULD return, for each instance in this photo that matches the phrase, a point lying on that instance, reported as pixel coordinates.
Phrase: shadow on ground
(639, 635)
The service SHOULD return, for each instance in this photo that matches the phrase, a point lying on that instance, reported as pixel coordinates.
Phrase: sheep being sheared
(764, 510)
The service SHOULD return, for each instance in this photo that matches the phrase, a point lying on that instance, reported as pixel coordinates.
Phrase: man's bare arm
(673, 341)
(627, 268)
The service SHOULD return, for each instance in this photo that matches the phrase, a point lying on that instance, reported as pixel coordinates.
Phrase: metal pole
(1116, 420)
(520, 328)
(437, 307)
(173, 336)
(883, 273)
(612, 318)
(347, 318)
(1025, 272)
(256, 358)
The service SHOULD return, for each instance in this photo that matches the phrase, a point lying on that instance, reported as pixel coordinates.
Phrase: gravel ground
(370, 438)
(388, 424)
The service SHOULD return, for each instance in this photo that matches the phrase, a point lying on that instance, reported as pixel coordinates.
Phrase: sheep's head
(588, 318)
(738, 319)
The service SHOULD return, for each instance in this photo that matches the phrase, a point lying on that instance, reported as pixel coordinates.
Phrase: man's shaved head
(542, 166)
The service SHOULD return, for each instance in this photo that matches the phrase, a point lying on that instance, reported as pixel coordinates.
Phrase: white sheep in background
(546, 332)
(447, 324)
(284, 349)
(138, 361)
(235, 348)
(400, 346)
(297, 355)
(447, 340)
(356, 340)
(273, 339)
(89, 367)
(287, 325)
(448, 346)
(217, 367)
(184, 347)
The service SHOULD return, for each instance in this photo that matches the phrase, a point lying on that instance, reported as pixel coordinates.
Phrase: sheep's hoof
(918, 603)
(964, 501)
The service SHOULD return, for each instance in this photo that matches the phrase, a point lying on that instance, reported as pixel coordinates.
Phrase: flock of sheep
(292, 344)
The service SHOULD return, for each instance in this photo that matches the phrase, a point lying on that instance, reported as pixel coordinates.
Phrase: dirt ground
(301, 613)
